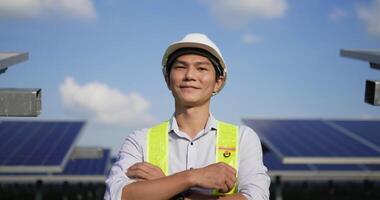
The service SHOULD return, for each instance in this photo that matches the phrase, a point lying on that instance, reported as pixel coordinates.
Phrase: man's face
(192, 80)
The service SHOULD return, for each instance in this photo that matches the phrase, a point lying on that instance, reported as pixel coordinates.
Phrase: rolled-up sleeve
(130, 153)
(253, 179)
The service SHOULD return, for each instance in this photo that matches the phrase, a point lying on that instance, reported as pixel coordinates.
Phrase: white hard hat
(199, 41)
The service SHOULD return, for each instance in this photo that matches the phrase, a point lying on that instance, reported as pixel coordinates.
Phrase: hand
(144, 171)
(218, 176)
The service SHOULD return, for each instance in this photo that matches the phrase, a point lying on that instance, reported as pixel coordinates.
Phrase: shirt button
(191, 143)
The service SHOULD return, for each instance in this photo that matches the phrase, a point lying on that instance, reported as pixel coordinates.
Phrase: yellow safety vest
(226, 146)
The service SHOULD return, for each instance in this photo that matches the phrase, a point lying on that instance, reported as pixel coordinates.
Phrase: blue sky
(99, 61)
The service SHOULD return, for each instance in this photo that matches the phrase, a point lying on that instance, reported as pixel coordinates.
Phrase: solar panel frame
(77, 170)
(296, 172)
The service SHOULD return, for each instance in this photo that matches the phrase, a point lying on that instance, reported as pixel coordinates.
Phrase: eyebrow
(196, 63)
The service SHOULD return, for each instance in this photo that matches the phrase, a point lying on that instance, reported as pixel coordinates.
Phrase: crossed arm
(151, 183)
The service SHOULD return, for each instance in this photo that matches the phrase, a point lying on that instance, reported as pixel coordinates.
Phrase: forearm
(162, 188)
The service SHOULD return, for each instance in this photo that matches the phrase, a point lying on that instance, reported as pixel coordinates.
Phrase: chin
(189, 102)
(192, 102)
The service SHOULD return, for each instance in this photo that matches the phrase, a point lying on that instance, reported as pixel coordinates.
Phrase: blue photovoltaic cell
(36, 143)
(368, 130)
(308, 138)
(79, 166)
(87, 166)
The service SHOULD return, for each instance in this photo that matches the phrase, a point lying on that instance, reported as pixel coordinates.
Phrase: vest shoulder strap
(158, 146)
(227, 148)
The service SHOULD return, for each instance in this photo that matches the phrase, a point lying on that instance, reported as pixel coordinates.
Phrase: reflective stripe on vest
(226, 146)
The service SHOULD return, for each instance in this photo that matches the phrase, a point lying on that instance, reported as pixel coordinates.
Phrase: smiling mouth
(189, 87)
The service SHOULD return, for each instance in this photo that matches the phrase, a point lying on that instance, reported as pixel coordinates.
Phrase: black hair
(182, 51)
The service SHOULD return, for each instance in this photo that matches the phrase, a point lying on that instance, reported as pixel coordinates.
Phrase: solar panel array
(36, 146)
(320, 141)
(77, 169)
(44, 150)
(32, 150)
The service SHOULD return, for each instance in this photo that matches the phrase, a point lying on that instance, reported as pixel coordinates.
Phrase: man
(186, 157)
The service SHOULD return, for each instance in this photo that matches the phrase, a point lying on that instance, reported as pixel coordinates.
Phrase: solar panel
(36, 146)
(367, 130)
(312, 141)
(91, 169)
(88, 166)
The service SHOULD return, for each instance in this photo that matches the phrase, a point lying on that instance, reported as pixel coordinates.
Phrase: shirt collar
(212, 124)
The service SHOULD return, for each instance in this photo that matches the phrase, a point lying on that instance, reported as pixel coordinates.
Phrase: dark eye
(202, 68)
(179, 67)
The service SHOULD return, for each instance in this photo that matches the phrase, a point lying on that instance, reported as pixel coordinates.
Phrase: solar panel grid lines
(17, 142)
(263, 139)
(62, 153)
(291, 139)
(360, 133)
(321, 137)
(324, 139)
(330, 145)
(7, 135)
(314, 141)
(310, 133)
(4, 128)
(56, 144)
(40, 146)
(282, 135)
(36, 146)
(4, 133)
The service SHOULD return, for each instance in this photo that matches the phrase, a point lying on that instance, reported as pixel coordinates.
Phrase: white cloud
(371, 16)
(236, 13)
(104, 104)
(251, 39)
(337, 15)
(83, 9)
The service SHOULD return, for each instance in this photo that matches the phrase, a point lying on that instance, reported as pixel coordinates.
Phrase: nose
(190, 73)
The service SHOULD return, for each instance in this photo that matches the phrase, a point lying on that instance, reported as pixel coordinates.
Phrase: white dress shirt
(185, 153)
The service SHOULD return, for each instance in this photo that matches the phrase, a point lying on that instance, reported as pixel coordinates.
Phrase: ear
(218, 83)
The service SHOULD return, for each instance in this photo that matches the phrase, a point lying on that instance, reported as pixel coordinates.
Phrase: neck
(192, 120)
